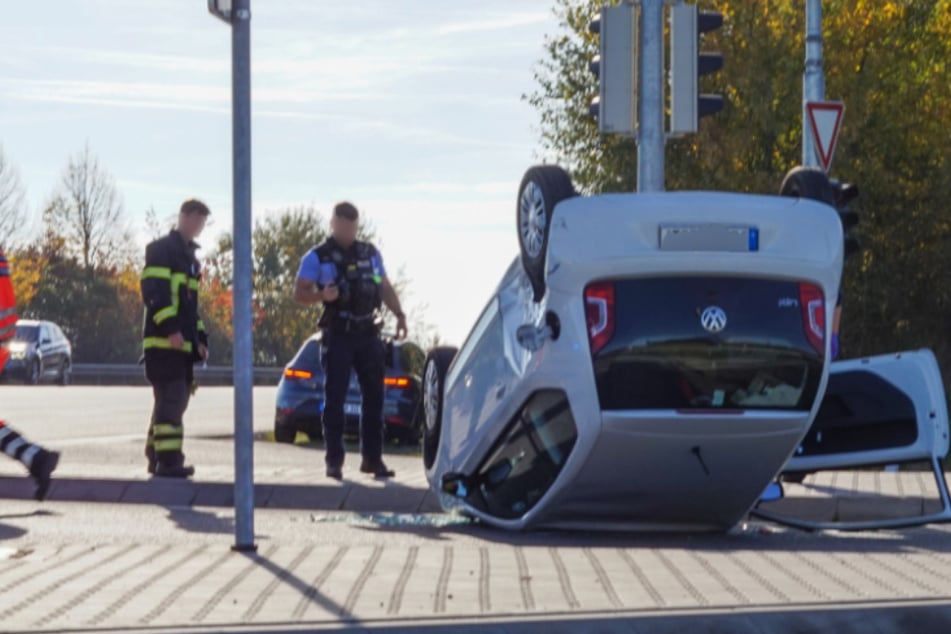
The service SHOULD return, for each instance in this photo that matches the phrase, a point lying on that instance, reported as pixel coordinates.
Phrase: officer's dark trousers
(171, 387)
(363, 353)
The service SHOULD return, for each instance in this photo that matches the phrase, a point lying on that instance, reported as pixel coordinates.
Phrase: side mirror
(455, 484)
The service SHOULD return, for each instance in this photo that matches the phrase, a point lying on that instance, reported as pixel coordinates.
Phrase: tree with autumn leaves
(889, 61)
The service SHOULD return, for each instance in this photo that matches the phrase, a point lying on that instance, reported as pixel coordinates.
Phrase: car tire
(542, 188)
(808, 182)
(66, 373)
(284, 432)
(434, 381)
(35, 373)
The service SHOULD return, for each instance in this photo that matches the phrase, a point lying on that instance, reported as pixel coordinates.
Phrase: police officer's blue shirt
(312, 270)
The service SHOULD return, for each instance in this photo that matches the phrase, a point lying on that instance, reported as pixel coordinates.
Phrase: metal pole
(243, 340)
(813, 79)
(650, 127)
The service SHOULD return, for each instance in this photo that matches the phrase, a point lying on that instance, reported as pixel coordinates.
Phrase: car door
(48, 351)
(882, 410)
(63, 343)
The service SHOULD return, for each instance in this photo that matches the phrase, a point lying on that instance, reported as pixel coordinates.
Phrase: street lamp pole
(813, 79)
(238, 14)
(650, 128)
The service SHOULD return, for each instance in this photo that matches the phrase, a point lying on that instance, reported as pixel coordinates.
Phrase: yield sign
(825, 119)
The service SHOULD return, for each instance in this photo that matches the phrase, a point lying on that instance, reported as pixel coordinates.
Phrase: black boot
(174, 471)
(174, 468)
(377, 468)
(150, 457)
(44, 464)
(335, 471)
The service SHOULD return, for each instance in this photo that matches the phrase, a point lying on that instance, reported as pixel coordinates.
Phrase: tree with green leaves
(888, 61)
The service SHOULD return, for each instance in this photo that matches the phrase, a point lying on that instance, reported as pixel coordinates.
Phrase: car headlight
(17, 347)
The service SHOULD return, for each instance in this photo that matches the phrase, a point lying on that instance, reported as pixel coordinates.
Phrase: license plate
(352, 409)
(708, 237)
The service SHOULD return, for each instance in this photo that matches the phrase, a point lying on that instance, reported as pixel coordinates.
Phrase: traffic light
(615, 107)
(813, 183)
(688, 64)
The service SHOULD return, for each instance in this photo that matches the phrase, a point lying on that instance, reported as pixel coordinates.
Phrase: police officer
(40, 462)
(174, 336)
(348, 278)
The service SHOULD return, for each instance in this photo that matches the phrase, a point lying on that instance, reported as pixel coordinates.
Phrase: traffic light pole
(813, 79)
(650, 130)
(243, 338)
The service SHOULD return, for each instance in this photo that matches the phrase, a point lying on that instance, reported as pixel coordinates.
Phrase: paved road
(114, 550)
(52, 413)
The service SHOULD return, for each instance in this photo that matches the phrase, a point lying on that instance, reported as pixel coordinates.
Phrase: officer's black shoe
(335, 472)
(377, 468)
(44, 464)
(174, 471)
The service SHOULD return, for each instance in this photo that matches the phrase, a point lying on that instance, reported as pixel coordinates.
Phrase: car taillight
(812, 305)
(400, 382)
(599, 314)
(300, 375)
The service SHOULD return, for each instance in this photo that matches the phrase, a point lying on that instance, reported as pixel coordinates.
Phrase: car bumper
(15, 368)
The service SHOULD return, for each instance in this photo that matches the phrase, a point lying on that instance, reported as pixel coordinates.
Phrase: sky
(411, 109)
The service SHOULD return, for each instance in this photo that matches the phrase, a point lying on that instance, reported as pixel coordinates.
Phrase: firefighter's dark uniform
(170, 283)
(351, 340)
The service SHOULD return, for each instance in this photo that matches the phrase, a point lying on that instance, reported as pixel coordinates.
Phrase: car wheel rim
(432, 396)
(532, 217)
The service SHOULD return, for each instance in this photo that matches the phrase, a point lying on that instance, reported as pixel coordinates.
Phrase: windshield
(27, 333)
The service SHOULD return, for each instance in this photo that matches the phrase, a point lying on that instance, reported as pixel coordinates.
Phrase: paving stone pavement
(379, 570)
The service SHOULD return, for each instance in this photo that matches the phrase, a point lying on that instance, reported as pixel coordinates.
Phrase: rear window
(709, 343)
(309, 355)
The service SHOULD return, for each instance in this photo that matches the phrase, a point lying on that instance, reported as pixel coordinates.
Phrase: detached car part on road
(652, 362)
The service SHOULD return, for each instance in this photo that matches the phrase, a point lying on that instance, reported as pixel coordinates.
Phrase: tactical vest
(358, 282)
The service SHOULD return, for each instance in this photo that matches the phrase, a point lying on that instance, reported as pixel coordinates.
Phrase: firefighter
(174, 337)
(348, 278)
(40, 462)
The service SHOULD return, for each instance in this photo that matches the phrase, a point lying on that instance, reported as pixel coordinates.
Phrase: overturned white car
(653, 361)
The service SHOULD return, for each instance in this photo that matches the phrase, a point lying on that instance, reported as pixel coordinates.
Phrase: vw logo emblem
(713, 319)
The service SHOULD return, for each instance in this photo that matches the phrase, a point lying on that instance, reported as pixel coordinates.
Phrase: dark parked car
(39, 352)
(300, 394)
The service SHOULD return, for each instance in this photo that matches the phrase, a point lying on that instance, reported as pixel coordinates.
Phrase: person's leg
(336, 359)
(368, 361)
(150, 436)
(40, 462)
(168, 435)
